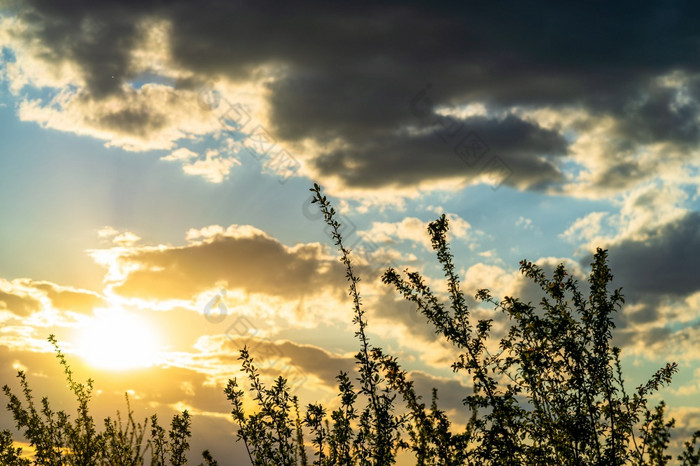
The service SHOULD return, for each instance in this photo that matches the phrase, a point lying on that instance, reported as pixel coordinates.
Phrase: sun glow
(118, 340)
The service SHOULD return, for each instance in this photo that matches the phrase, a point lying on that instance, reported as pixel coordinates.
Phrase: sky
(156, 159)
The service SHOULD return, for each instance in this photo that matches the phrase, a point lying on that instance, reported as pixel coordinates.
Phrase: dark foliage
(551, 393)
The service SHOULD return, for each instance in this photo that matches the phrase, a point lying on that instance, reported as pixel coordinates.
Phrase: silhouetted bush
(553, 392)
(59, 441)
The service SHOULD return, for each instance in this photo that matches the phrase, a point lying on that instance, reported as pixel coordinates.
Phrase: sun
(118, 340)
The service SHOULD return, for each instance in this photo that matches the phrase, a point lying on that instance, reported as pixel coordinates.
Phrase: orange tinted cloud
(67, 298)
(18, 302)
(240, 257)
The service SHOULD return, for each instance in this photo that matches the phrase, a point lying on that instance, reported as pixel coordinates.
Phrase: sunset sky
(156, 159)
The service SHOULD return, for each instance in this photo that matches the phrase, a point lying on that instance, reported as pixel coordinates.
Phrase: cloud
(410, 228)
(67, 298)
(418, 159)
(389, 306)
(414, 230)
(308, 361)
(524, 223)
(653, 255)
(126, 239)
(367, 104)
(655, 250)
(24, 297)
(151, 117)
(107, 232)
(692, 388)
(17, 300)
(214, 167)
(665, 262)
(587, 229)
(181, 154)
(238, 257)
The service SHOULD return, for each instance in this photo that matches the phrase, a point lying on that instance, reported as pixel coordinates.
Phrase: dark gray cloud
(664, 264)
(660, 269)
(658, 115)
(407, 160)
(349, 72)
(97, 38)
(656, 271)
(137, 122)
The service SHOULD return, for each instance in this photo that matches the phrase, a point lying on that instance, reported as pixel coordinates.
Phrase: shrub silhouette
(553, 392)
(58, 441)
